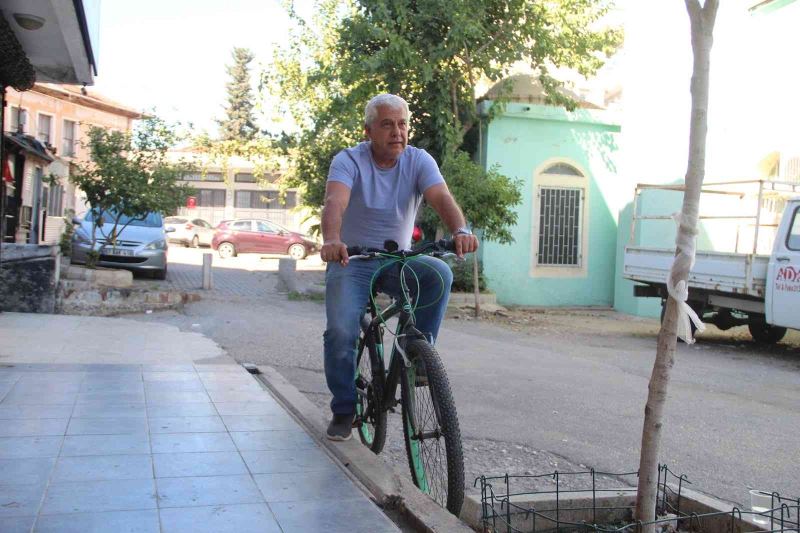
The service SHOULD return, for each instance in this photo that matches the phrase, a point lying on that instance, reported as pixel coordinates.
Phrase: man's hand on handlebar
(334, 251)
(465, 244)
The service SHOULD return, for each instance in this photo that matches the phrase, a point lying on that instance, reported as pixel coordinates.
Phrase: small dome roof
(527, 89)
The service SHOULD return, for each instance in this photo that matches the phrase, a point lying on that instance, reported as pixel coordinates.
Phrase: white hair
(392, 101)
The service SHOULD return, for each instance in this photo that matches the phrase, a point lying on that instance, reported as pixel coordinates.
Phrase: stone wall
(77, 297)
(29, 276)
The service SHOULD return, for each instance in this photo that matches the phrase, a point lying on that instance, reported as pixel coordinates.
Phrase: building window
(210, 198)
(560, 215)
(248, 177)
(242, 177)
(44, 128)
(208, 176)
(68, 138)
(18, 119)
(559, 221)
(264, 200)
(55, 201)
(562, 169)
(793, 239)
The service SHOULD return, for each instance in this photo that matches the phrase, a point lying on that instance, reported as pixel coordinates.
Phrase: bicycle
(430, 424)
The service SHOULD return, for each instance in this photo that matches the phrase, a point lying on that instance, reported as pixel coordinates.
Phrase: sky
(170, 55)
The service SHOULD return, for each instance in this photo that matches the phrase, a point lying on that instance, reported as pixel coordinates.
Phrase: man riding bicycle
(372, 195)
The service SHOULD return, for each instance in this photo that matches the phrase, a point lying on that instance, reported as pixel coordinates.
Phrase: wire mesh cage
(587, 501)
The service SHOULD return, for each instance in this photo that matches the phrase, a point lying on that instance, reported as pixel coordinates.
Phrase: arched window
(564, 169)
(559, 218)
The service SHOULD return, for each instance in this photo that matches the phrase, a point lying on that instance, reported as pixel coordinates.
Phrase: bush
(65, 243)
(462, 275)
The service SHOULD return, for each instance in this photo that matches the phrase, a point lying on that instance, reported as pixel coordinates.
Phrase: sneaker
(341, 427)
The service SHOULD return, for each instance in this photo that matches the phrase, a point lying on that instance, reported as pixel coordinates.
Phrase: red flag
(7, 172)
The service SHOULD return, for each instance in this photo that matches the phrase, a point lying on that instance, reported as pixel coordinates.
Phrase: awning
(29, 145)
(15, 68)
(56, 37)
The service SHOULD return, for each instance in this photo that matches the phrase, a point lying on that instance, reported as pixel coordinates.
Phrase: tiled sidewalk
(171, 448)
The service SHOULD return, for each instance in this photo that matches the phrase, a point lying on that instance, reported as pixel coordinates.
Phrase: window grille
(68, 141)
(560, 215)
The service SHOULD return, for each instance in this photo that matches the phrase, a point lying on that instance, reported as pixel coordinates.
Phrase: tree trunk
(476, 285)
(702, 25)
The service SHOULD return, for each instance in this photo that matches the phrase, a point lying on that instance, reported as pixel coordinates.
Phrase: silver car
(189, 231)
(141, 245)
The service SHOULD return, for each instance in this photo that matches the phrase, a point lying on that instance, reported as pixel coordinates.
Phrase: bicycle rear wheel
(433, 444)
(371, 418)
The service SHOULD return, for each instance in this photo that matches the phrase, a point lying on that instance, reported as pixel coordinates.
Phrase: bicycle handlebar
(442, 245)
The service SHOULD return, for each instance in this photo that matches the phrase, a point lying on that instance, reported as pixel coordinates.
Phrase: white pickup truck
(758, 286)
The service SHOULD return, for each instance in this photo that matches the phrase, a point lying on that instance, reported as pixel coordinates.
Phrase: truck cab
(783, 276)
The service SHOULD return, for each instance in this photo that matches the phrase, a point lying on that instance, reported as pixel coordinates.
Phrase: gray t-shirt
(383, 202)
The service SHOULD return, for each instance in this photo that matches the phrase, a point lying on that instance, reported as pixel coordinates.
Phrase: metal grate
(513, 504)
(560, 217)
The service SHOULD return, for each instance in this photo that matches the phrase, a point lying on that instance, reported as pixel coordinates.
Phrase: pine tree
(239, 123)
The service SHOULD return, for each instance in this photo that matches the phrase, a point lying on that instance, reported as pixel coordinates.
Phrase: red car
(233, 237)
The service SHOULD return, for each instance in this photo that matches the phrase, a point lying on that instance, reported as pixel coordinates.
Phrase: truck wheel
(764, 333)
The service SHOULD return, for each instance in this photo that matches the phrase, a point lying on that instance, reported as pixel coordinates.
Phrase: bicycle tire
(434, 409)
(370, 381)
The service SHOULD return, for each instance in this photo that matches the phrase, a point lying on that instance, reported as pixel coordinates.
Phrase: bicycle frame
(398, 362)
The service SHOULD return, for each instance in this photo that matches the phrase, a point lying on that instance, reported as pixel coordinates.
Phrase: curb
(388, 488)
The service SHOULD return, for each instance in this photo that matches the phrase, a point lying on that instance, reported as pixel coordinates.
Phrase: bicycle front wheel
(371, 418)
(430, 428)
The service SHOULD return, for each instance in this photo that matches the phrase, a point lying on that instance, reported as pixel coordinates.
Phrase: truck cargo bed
(743, 274)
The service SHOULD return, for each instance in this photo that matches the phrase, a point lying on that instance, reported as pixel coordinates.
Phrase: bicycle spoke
(431, 450)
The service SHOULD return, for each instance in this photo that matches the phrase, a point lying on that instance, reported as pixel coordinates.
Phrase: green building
(564, 252)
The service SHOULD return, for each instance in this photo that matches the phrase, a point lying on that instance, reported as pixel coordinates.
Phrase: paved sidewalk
(116, 425)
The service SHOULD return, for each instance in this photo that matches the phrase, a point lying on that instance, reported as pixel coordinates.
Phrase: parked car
(141, 246)
(260, 236)
(190, 231)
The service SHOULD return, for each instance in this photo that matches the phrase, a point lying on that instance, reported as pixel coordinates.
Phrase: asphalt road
(565, 392)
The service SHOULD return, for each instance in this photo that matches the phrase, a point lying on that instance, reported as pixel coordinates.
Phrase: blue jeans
(346, 296)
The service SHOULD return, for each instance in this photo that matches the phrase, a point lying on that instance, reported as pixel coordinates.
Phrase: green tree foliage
(431, 52)
(487, 199)
(129, 175)
(239, 123)
(261, 151)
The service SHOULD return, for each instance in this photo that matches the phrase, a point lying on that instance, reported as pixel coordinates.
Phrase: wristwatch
(463, 230)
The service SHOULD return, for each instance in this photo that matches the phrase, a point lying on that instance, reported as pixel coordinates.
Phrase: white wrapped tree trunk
(677, 310)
